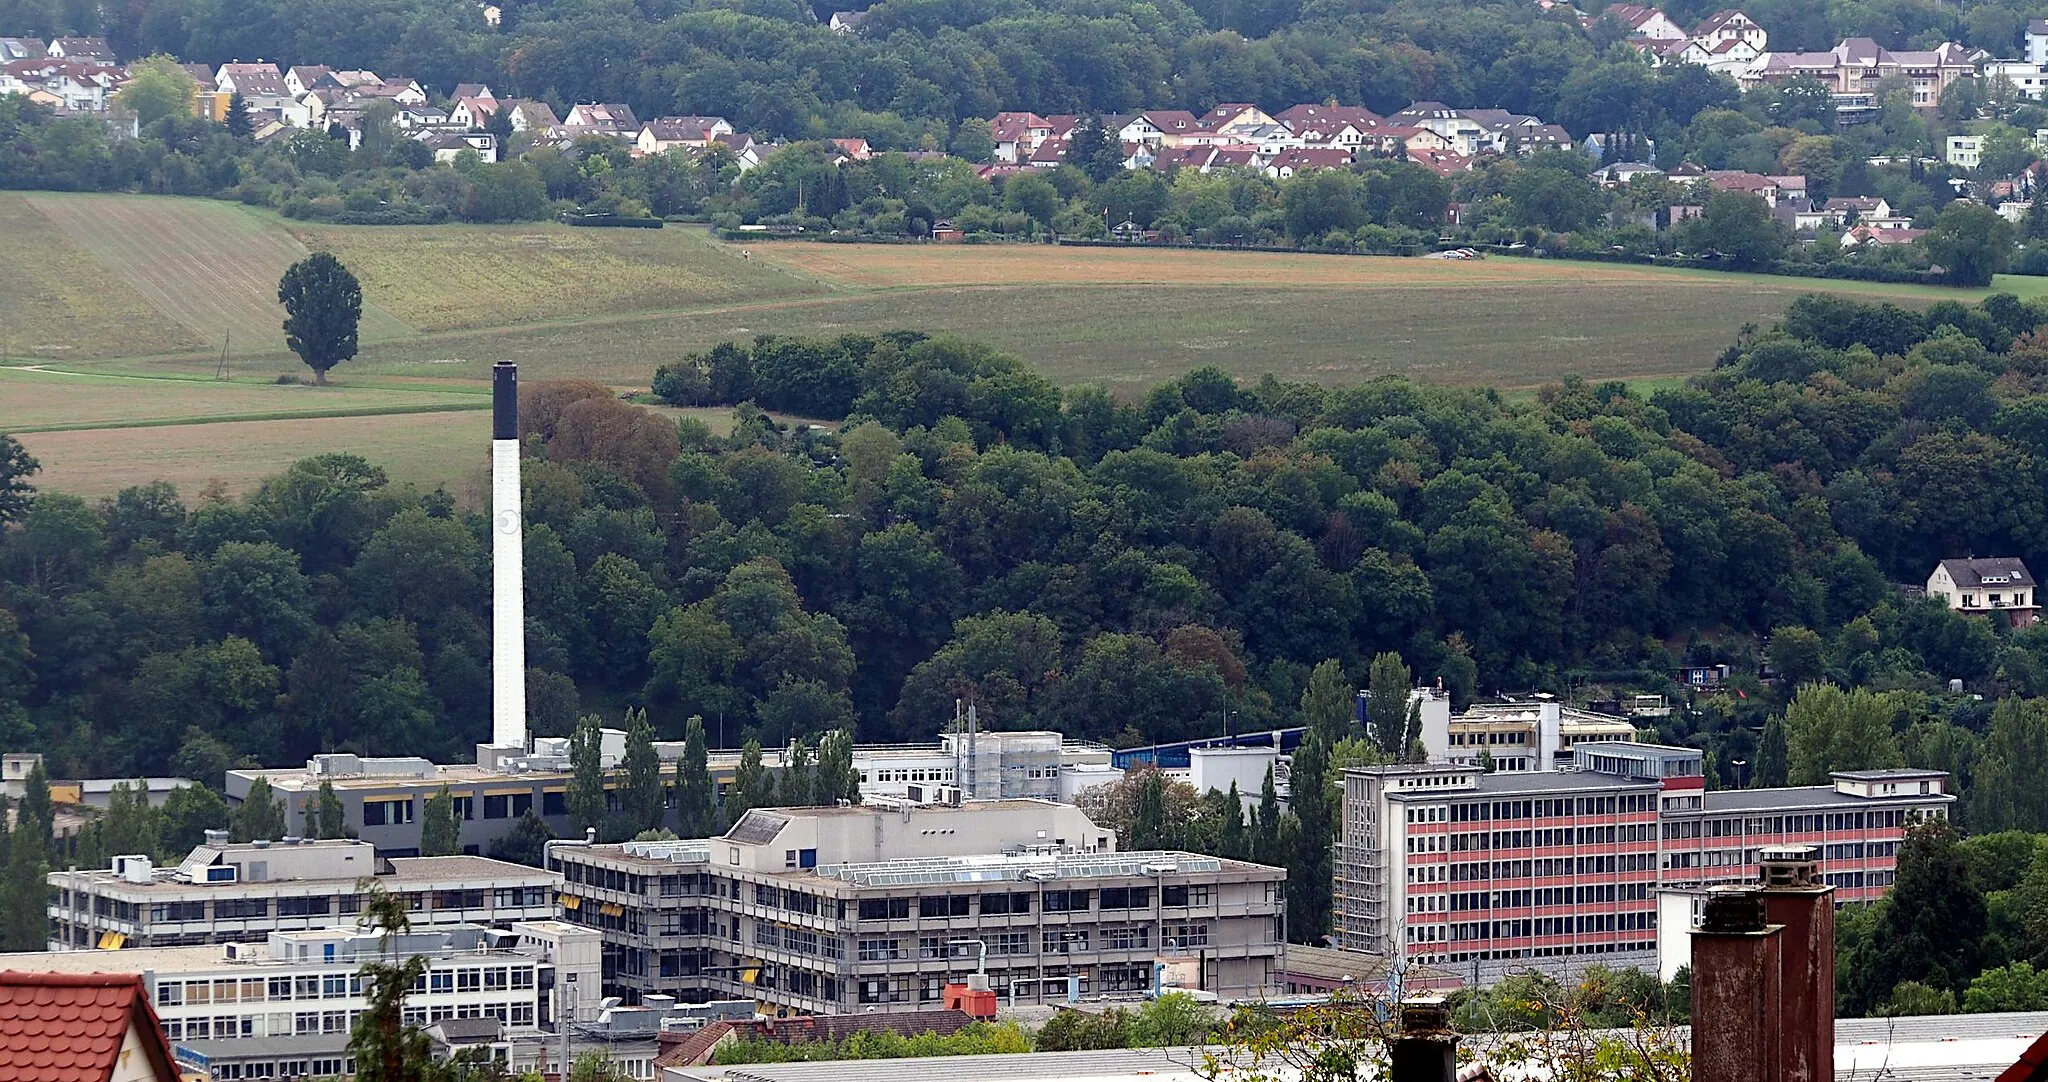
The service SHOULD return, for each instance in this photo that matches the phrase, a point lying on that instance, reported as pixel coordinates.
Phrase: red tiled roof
(69, 1027)
(2032, 1065)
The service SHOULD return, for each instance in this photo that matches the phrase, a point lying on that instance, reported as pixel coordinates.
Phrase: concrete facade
(855, 909)
(242, 892)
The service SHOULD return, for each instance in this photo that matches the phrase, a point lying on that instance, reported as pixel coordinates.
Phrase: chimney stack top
(1790, 867)
(1733, 910)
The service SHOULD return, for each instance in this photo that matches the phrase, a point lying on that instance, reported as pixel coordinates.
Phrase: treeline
(1965, 929)
(1125, 571)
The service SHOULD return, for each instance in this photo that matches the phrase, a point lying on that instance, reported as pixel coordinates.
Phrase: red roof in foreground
(2032, 1065)
(69, 1027)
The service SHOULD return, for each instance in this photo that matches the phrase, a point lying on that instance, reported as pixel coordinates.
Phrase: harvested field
(58, 300)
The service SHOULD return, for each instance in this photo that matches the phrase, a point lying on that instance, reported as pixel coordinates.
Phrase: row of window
(1549, 896)
(1532, 927)
(1552, 836)
(1552, 866)
(1013, 903)
(1552, 808)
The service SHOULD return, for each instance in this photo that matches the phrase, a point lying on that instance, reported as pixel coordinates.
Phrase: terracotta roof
(69, 1027)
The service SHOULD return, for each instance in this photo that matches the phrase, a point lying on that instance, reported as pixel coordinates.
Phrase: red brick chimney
(1797, 898)
(1737, 990)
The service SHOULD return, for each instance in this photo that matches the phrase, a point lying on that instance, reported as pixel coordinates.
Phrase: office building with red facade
(1452, 866)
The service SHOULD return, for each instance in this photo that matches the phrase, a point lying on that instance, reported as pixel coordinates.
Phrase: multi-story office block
(827, 910)
(239, 892)
(284, 1007)
(1448, 865)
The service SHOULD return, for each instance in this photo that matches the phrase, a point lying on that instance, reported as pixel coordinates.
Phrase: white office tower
(508, 585)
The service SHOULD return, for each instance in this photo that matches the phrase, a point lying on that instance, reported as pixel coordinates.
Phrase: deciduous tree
(323, 303)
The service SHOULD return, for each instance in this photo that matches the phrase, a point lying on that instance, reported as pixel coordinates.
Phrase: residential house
(1504, 132)
(1467, 136)
(63, 85)
(302, 78)
(663, 134)
(82, 1027)
(1847, 208)
(855, 150)
(1731, 25)
(1017, 135)
(13, 49)
(252, 81)
(1330, 125)
(1964, 151)
(1791, 189)
(1235, 115)
(1645, 22)
(1736, 180)
(1870, 234)
(1620, 173)
(92, 51)
(1443, 163)
(846, 22)
(472, 112)
(1854, 67)
(746, 152)
(612, 119)
(1160, 127)
(2037, 42)
(1396, 140)
(1289, 163)
(1048, 154)
(202, 77)
(1998, 585)
(2028, 78)
(396, 91)
(447, 145)
(351, 79)
(472, 90)
(422, 118)
(531, 115)
(1730, 57)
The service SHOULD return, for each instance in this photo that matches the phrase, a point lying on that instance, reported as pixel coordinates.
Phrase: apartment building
(879, 908)
(382, 798)
(1450, 865)
(242, 892)
(283, 1007)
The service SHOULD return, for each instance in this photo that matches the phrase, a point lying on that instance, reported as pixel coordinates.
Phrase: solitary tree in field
(322, 305)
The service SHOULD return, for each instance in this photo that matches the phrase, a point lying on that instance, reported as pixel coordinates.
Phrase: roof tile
(70, 1027)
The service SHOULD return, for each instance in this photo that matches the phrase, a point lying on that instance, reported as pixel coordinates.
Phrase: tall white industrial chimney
(508, 580)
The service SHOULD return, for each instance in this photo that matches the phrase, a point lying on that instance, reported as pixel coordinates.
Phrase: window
(1066, 901)
(1008, 942)
(303, 907)
(1127, 898)
(1125, 939)
(497, 807)
(377, 813)
(1065, 941)
(885, 909)
(998, 904)
(880, 950)
(177, 911)
(943, 905)
(1184, 897)
(1185, 936)
(228, 908)
(552, 802)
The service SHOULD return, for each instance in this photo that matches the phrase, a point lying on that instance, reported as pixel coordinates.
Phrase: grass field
(212, 267)
(131, 297)
(464, 276)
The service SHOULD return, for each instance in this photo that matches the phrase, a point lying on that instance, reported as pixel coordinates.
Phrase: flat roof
(1516, 782)
(1328, 963)
(423, 871)
(134, 960)
(461, 866)
(1805, 796)
(1893, 774)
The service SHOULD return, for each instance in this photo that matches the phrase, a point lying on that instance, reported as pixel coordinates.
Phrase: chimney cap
(1733, 910)
(1425, 1015)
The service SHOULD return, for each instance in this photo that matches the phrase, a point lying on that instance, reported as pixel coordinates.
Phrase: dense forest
(1125, 571)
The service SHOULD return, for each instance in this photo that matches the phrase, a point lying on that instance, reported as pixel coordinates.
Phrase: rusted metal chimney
(1737, 990)
(1796, 898)
(1427, 1049)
